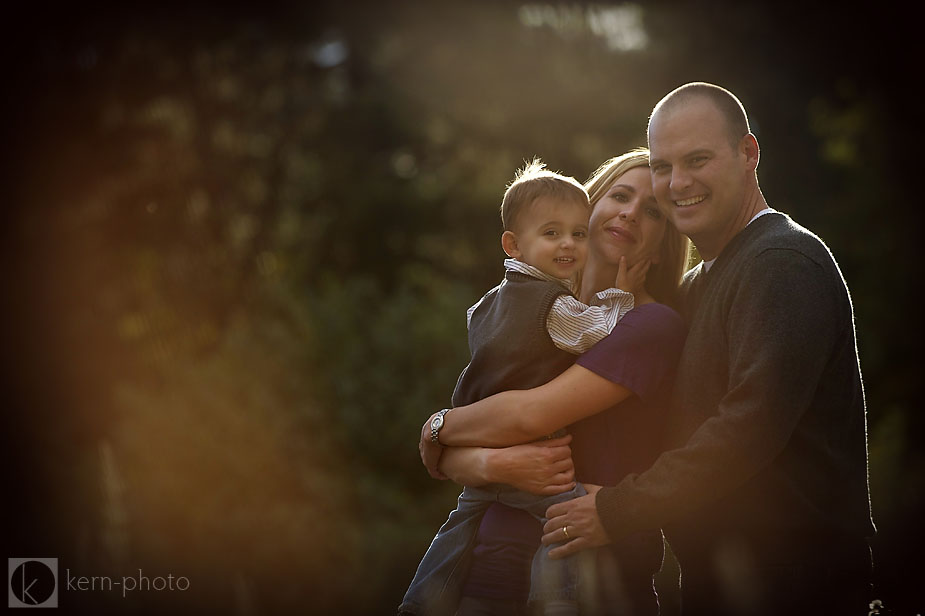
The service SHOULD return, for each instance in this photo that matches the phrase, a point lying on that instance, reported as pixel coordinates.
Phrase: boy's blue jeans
(437, 585)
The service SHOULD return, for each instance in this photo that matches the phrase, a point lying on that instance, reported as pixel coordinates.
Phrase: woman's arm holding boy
(520, 416)
(543, 468)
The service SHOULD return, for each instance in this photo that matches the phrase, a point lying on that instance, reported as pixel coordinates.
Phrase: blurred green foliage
(245, 241)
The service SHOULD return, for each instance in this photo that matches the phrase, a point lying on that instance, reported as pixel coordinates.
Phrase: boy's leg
(549, 579)
(437, 584)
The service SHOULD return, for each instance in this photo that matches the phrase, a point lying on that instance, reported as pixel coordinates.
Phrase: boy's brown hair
(534, 181)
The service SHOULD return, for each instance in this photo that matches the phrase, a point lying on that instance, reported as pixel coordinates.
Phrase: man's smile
(691, 201)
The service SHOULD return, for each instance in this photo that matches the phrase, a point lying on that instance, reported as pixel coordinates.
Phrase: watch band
(435, 425)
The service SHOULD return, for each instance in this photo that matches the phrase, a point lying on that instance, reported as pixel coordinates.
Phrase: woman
(626, 375)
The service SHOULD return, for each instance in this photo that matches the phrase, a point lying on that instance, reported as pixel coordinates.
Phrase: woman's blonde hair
(664, 277)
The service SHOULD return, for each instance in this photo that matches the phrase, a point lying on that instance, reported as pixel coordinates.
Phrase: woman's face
(627, 221)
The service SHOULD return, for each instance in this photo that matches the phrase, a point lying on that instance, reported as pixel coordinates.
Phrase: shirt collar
(766, 210)
(513, 265)
(708, 264)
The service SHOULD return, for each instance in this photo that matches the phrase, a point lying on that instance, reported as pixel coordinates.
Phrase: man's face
(697, 175)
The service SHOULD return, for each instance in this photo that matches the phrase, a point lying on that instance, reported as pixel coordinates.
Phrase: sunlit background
(241, 243)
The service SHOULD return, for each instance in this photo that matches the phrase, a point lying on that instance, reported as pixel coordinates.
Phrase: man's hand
(575, 523)
(430, 451)
(632, 279)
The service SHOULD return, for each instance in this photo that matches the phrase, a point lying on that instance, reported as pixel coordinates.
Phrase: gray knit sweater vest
(509, 344)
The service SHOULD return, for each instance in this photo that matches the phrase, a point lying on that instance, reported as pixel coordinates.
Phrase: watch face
(437, 422)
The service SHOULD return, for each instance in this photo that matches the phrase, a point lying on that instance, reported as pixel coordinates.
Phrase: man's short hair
(534, 181)
(726, 103)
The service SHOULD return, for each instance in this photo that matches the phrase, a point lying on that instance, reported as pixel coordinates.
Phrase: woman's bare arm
(542, 468)
(518, 416)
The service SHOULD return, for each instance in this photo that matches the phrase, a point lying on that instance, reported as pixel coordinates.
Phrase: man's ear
(509, 244)
(749, 147)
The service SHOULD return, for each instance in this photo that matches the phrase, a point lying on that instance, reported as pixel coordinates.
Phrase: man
(765, 499)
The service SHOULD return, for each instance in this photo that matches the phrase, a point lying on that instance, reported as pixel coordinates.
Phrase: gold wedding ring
(565, 530)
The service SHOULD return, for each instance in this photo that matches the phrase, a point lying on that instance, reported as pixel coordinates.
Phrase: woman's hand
(543, 467)
(575, 524)
(632, 279)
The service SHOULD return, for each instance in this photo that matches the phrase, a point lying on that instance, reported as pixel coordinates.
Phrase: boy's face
(552, 236)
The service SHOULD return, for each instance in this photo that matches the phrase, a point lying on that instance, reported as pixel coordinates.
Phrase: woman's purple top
(641, 354)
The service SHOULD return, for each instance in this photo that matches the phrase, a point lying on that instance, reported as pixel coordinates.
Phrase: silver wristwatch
(435, 424)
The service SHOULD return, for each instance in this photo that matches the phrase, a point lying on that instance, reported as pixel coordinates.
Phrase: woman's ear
(509, 244)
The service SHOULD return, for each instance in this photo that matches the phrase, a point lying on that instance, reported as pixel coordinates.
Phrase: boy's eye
(549, 232)
(581, 234)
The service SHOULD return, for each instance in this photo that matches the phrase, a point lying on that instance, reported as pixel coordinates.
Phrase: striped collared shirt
(574, 326)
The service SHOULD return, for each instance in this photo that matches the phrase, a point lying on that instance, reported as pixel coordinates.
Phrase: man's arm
(780, 335)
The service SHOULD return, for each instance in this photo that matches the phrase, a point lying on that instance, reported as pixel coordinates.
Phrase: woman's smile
(621, 234)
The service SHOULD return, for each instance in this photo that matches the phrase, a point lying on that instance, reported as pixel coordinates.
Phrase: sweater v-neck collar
(742, 237)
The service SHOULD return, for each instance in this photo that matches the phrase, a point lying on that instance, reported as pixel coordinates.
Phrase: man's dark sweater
(769, 411)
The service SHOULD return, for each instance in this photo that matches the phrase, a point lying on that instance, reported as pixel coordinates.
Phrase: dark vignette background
(239, 242)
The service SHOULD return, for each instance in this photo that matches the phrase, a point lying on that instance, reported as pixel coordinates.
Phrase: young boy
(522, 333)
